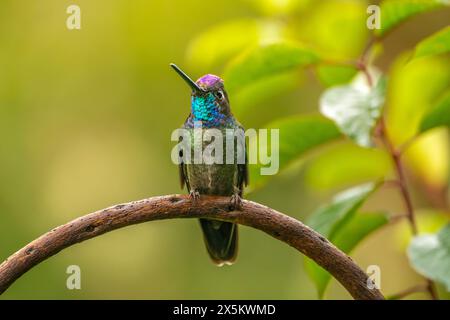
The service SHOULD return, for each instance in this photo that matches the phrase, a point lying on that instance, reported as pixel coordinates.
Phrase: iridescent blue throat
(205, 108)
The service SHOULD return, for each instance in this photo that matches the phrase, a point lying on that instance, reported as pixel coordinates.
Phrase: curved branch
(252, 214)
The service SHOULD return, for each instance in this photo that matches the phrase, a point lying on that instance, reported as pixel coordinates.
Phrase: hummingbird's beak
(188, 80)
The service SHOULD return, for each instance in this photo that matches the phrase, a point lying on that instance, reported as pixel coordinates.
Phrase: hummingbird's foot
(236, 202)
(194, 195)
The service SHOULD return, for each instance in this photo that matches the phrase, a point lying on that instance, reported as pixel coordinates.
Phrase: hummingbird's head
(209, 100)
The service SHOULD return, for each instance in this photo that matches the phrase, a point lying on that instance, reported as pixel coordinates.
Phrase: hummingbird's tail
(221, 239)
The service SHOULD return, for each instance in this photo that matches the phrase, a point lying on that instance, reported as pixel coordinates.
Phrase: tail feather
(221, 239)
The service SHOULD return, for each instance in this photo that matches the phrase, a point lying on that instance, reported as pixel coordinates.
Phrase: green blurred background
(85, 122)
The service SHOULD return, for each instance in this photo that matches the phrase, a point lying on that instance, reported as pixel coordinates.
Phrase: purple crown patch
(208, 80)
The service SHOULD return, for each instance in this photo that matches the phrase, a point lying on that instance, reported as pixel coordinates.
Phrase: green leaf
(334, 75)
(335, 28)
(393, 12)
(439, 115)
(261, 91)
(332, 219)
(409, 99)
(297, 135)
(414, 88)
(430, 255)
(437, 43)
(355, 108)
(266, 61)
(346, 164)
(356, 230)
(219, 43)
(328, 219)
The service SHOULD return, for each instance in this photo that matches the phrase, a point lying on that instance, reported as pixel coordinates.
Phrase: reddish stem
(395, 155)
(409, 291)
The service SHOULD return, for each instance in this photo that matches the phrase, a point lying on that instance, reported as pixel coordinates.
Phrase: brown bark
(276, 224)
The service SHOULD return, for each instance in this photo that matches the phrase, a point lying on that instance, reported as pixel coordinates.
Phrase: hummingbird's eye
(219, 95)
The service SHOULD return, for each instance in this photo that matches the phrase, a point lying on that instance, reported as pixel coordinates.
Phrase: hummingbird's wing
(242, 177)
(182, 170)
(182, 173)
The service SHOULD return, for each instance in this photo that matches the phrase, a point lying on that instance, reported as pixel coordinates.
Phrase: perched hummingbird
(210, 106)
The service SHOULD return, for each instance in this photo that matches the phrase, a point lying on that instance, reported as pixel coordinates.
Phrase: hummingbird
(211, 107)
